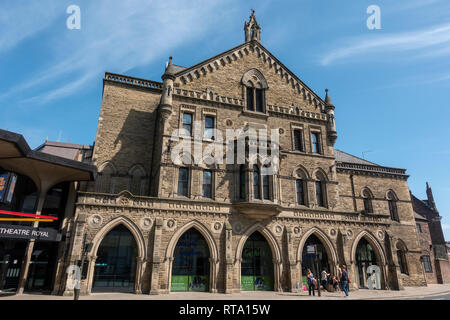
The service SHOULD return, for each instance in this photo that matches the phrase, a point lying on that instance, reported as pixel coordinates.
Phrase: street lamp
(84, 249)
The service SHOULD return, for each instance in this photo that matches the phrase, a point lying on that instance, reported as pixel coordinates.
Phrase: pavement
(431, 292)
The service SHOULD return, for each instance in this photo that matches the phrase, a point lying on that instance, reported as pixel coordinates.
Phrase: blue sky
(390, 86)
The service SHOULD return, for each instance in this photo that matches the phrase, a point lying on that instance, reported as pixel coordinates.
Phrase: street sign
(311, 249)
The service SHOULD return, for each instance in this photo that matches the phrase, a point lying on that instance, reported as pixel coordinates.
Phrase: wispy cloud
(434, 38)
(114, 36)
(20, 20)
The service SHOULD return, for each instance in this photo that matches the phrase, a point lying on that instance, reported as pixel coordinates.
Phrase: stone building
(156, 226)
(431, 238)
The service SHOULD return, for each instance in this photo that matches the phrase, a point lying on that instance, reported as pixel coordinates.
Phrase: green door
(190, 270)
(257, 265)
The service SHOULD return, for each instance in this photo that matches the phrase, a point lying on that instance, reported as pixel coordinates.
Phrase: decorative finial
(170, 60)
(327, 99)
(252, 29)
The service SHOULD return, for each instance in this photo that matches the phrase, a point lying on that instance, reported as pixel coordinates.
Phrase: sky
(390, 85)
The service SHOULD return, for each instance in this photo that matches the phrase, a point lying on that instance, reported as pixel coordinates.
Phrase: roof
(347, 157)
(203, 63)
(419, 217)
(43, 168)
(63, 149)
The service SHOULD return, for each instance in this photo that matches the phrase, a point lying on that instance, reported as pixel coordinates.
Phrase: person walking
(335, 283)
(344, 280)
(324, 279)
(310, 281)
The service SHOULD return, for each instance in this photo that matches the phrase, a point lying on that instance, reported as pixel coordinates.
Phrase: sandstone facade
(138, 181)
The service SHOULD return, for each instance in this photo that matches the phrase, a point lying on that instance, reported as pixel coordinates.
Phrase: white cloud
(20, 20)
(116, 36)
(425, 39)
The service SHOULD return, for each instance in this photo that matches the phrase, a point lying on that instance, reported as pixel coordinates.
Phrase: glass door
(190, 269)
(257, 265)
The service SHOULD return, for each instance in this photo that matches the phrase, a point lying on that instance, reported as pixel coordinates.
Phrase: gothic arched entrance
(190, 269)
(257, 264)
(314, 262)
(115, 267)
(365, 257)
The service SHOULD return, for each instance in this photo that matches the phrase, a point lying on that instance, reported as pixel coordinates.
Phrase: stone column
(156, 258)
(29, 249)
(228, 258)
(292, 263)
(90, 275)
(139, 267)
(213, 275)
(278, 266)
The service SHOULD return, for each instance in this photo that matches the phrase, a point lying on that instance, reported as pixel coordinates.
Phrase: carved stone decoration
(333, 232)
(216, 227)
(297, 231)
(277, 229)
(146, 223)
(349, 233)
(238, 227)
(95, 221)
(229, 123)
(380, 235)
(171, 224)
(281, 131)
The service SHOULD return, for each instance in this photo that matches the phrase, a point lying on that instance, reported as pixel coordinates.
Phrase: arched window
(321, 191)
(255, 87)
(367, 199)
(136, 181)
(300, 183)
(207, 184)
(242, 189)
(301, 187)
(256, 184)
(392, 203)
(426, 263)
(401, 257)
(105, 183)
(183, 182)
(115, 267)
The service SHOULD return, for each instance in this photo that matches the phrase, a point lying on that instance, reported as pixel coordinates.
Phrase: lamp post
(318, 270)
(83, 256)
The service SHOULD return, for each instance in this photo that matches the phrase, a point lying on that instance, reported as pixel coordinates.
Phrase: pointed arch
(273, 244)
(331, 250)
(391, 195)
(379, 252)
(212, 246)
(248, 79)
(276, 252)
(104, 181)
(366, 192)
(319, 174)
(130, 225)
(213, 250)
(300, 171)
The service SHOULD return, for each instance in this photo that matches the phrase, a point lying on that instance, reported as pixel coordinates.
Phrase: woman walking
(310, 281)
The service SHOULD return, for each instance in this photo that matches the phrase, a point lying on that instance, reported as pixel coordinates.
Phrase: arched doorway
(257, 264)
(314, 261)
(115, 267)
(365, 257)
(190, 269)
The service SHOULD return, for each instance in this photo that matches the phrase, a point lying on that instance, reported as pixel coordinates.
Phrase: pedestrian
(335, 283)
(310, 281)
(344, 280)
(324, 279)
